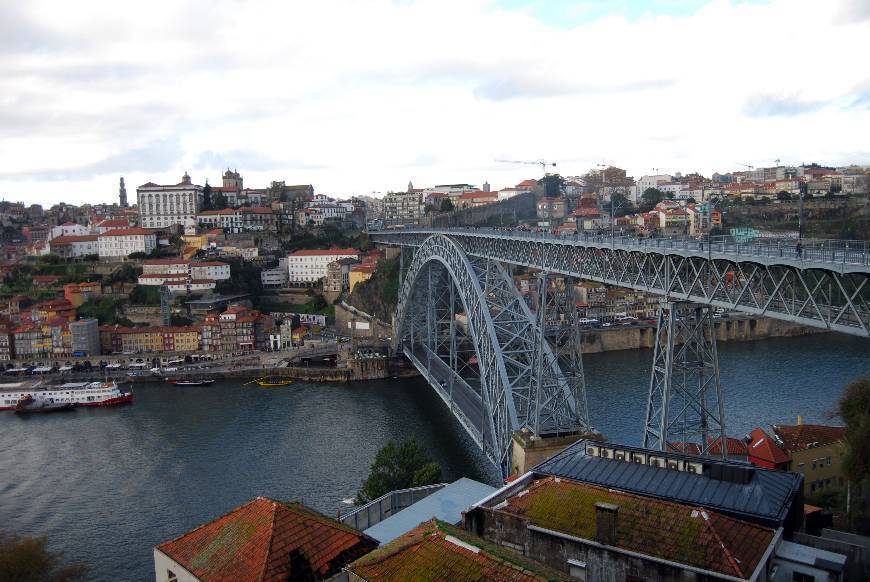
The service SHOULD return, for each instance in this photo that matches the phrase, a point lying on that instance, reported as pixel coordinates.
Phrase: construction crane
(541, 163)
(750, 166)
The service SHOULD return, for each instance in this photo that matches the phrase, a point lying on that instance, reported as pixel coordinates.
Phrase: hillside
(379, 294)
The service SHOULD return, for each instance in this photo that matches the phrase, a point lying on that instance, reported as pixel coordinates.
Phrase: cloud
(765, 105)
(249, 160)
(437, 89)
(157, 156)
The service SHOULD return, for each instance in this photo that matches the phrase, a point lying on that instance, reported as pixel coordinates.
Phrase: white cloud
(359, 96)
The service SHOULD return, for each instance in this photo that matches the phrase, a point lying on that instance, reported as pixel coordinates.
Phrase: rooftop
(435, 550)
(671, 531)
(324, 252)
(762, 446)
(127, 232)
(267, 540)
(804, 436)
(766, 497)
(445, 504)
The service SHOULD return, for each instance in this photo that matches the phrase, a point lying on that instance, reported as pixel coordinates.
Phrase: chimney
(606, 517)
(800, 419)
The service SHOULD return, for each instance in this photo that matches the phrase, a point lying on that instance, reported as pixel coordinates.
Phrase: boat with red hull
(74, 393)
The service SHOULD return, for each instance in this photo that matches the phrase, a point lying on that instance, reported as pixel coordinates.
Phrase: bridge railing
(828, 251)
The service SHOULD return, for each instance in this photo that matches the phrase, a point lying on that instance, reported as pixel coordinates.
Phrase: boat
(275, 382)
(27, 404)
(75, 393)
(190, 381)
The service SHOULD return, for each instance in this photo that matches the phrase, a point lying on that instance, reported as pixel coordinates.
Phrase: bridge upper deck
(842, 256)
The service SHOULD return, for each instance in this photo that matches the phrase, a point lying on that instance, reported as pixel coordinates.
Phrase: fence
(376, 511)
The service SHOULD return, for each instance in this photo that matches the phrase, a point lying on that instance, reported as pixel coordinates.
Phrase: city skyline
(99, 92)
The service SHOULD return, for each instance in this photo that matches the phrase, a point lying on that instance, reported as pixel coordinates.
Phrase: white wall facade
(165, 568)
(308, 267)
(162, 206)
(123, 242)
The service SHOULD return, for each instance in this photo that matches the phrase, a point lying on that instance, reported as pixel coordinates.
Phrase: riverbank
(732, 329)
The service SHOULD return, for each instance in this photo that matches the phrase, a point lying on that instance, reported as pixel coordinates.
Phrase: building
(236, 220)
(551, 209)
(436, 550)
(360, 273)
(74, 246)
(7, 345)
(85, 337)
(114, 338)
(403, 209)
(123, 242)
(215, 270)
(336, 280)
(273, 541)
(765, 451)
(111, 224)
(309, 266)
(189, 285)
(277, 277)
(815, 451)
(162, 206)
(68, 229)
(122, 194)
(237, 329)
(603, 511)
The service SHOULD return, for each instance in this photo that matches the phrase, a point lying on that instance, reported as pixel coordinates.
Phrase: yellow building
(817, 452)
(359, 273)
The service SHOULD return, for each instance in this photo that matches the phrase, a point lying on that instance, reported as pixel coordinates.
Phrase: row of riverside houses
(57, 334)
(595, 511)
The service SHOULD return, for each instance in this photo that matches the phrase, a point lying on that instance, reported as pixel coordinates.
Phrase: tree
(621, 204)
(446, 205)
(207, 203)
(26, 559)
(219, 201)
(398, 466)
(651, 197)
(554, 185)
(855, 411)
(137, 255)
(783, 195)
(691, 200)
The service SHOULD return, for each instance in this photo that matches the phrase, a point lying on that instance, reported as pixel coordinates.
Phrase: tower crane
(750, 166)
(541, 163)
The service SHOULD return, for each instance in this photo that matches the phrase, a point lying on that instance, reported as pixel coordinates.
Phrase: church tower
(122, 194)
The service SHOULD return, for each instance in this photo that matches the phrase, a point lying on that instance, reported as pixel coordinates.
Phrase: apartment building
(74, 246)
(119, 339)
(123, 242)
(236, 329)
(236, 220)
(308, 267)
(403, 209)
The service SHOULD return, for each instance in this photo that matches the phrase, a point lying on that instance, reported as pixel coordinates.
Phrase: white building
(646, 182)
(162, 206)
(165, 266)
(190, 285)
(125, 241)
(111, 224)
(236, 220)
(68, 229)
(309, 266)
(74, 246)
(215, 270)
(277, 277)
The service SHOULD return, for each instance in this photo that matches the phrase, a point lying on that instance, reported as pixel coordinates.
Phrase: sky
(360, 96)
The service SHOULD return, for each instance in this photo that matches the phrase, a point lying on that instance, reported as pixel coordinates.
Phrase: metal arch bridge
(507, 368)
(825, 284)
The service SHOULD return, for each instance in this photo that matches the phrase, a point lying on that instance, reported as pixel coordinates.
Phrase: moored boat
(27, 404)
(190, 381)
(74, 393)
(272, 382)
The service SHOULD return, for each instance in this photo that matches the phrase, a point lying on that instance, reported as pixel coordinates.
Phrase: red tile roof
(324, 252)
(763, 447)
(209, 264)
(435, 550)
(73, 238)
(680, 533)
(127, 232)
(736, 447)
(114, 223)
(164, 262)
(268, 540)
(804, 436)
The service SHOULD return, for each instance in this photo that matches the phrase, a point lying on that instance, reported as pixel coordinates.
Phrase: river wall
(727, 330)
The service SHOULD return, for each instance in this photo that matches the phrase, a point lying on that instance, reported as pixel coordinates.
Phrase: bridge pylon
(685, 404)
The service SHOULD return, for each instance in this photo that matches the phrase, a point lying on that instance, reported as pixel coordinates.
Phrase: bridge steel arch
(506, 340)
(827, 288)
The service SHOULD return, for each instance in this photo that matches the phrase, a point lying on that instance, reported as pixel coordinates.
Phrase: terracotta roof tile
(266, 540)
(804, 436)
(680, 533)
(763, 447)
(435, 551)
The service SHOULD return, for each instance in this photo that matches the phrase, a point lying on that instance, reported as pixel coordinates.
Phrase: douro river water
(106, 485)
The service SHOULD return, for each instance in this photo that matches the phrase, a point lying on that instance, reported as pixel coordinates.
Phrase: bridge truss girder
(807, 294)
(516, 381)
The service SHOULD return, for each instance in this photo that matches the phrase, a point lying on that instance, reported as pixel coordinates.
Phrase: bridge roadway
(824, 283)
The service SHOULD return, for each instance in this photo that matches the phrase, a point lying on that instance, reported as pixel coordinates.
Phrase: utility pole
(802, 189)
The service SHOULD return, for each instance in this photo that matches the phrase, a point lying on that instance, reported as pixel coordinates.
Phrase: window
(577, 569)
(828, 461)
(801, 577)
(170, 576)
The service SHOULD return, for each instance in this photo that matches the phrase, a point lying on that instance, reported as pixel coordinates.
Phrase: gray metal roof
(446, 504)
(767, 497)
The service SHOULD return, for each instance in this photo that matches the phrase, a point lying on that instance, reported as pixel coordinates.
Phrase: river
(106, 485)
